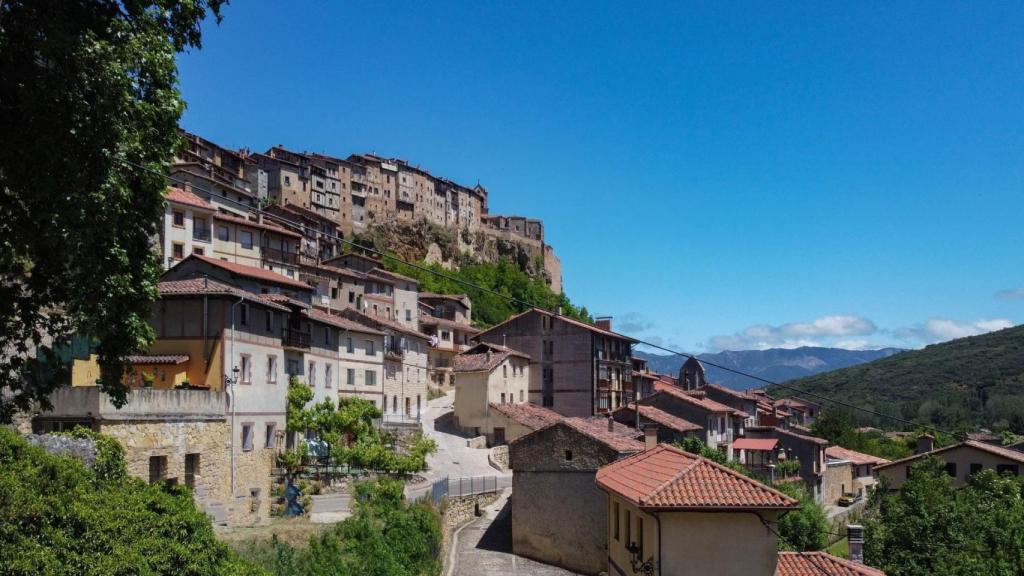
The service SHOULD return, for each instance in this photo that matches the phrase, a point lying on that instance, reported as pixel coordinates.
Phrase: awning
(762, 444)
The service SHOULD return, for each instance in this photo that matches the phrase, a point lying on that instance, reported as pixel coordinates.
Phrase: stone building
(447, 320)
(487, 375)
(849, 472)
(187, 226)
(579, 368)
(962, 460)
(361, 355)
(683, 514)
(692, 375)
(808, 450)
(518, 420)
(670, 428)
(718, 422)
(559, 515)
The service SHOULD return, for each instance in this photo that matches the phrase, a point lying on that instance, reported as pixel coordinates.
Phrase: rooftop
(224, 217)
(565, 319)
(528, 414)
(858, 458)
(700, 401)
(211, 287)
(734, 393)
(168, 359)
(188, 198)
(340, 322)
(662, 418)
(484, 357)
(789, 433)
(249, 272)
(668, 478)
(819, 564)
(620, 438)
(756, 444)
(999, 451)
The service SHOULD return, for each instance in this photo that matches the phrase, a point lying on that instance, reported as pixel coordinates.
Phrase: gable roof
(249, 272)
(668, 478)
(380, 323)
(734, 393)
(858, 458)
(662, 418)
(562, 318)
(1000, 451)
(340, 322)
(529, 414)
(620, 438)
(188, 198)
(484, 357)
(755, 444)
(785, 432)
(819, 564)
(211, 287)
(698, 401)
(391, 276)
(225, 217)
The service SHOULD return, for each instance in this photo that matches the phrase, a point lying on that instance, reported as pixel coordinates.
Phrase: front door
(499, 436)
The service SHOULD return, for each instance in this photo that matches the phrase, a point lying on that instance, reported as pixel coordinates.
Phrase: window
(179, 219)
(629, 527)
(178, 250)
(568, 455)
(311, 377)
(640, 535)
(350, 376)
(951, 469)
(394, 403)
(615, 520)
(157, 469)
(270, 320)
(445, 335)
(502, 397)
(351, 296)
(349, 348)
(198, 250)
(371, 378)
(504, 370)
(272, 369)
(247, 437)
(246, 369)
(223, 233)
(521, 395)
(369, 348)
(245, 239)
(408, 315)
(1012, 468)
(270, 441)
(548, 401)
(975, 468)
(243, 314)
(334, 292)
(327, 376)
(287, 180)
(327, 337)
(191, 469)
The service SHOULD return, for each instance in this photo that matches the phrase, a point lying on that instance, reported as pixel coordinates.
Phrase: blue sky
(713, 176)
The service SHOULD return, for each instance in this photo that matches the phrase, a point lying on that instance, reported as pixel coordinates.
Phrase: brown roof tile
(157, 359)
(211, 287)
(700, 400)
(528, 414)
(1007, 453)
(251, 272)
(341, 322)
(484, 357)
(181, 196)
(858, 458)
(668, 478)
(260, 225)
(620, 438)
(662, 418)
(820, 564)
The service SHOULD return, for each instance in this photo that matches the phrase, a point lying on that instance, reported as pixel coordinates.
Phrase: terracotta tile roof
(858, 458)
(785, 432)
(460, 298)
(428, 320)
(662, 418)
(181, 196)
(565, 319)
(758, 444)
(380, 323)
(477, 359)
(620, 438)
(699, 401)
(251, 272)
(529, 414)
(820, 564)
(1000, 451)
(259, 225)
(211, 287)
(340, 322)
(284, 299)
(734, 393)
(666, 477)
(157, 359)
(389, 275)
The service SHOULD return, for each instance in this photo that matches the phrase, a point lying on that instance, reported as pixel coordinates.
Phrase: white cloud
(1011, 294)
(823, 331)
(631, 323)
(942, 329)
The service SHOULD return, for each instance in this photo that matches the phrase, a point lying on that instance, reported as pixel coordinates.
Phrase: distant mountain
(966, 382)
(775, 364)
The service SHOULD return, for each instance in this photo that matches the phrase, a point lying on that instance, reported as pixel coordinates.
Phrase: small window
(178, 250)
(245, 239)
(191, 469)
(1011, 468)
(371, 378)
(629, 527)
(157, 469)
(568, 455)
(504, 370)
(350, 376)
(951, 469)
(223, 233)
(351, 297)
(370, 348)
(243, 314)
(327, 376)
(272, 369)
(334, 293)
(521, 394)
(247, 437)
(502, 397)
(179, 219)
(198, 250)
(270, 440)
(640, 535)
(975, 468)
(311, 377)
(408, 315)
(270, 320)
(615, 520)
(246, 369)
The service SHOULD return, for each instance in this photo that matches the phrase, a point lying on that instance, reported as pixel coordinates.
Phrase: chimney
(186, 186)
(855, 536)
(611, 423)
(604, 323)
(925, 444)
(650, 436)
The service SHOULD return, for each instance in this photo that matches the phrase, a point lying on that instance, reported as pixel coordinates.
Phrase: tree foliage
(805, 529)
(84, 85)
(58, 516)
(386, 536)
(835, 424)
(931, 528)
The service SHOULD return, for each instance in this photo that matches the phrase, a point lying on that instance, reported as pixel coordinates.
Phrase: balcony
(275, 255)
(201, 234)
(295, 339)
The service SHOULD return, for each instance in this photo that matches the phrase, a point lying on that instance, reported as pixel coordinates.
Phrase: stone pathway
(330, 508)
(484, 546)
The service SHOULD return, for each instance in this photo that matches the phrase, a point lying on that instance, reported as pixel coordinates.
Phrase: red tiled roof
(251, 272)
(340, 322)
(666, 477)
(760, 444)
(820, 564)
(211, 287)
(181, 196)
(157, 359)
(620, 438)
(858, 458)
(428, 320)
(662, 418)
(734, 393)
(700, 401)
(1007, 453)
(785, 432)
(284, 299)
(260, 225)
(460, 298)
(528, 414)
(387, 274)
(477, 359)
(380, 323)
(565, 319)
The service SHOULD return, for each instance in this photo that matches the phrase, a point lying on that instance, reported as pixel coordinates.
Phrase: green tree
(59, 517)
(85, 86)
(805, 529)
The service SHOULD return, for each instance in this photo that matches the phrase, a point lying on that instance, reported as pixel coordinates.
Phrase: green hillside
(956, 385)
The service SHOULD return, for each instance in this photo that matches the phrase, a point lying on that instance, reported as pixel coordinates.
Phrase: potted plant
(147, 380)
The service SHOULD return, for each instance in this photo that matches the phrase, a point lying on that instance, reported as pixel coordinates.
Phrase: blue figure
(292, 494)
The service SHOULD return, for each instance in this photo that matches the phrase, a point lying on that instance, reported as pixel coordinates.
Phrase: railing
(280, 256)
(459, 487)
(295, 338)
(201, 234)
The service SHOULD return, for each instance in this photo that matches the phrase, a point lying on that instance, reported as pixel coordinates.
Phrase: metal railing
(295, 338)
(280, 255)
(201, 234)
(459, 487)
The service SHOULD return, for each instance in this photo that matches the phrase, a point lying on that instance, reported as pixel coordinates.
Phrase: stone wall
(456, 512)
(498, 458)
(251, 500)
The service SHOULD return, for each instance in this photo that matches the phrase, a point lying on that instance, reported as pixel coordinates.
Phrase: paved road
(330, 508)
(453, 458)
(484, 546)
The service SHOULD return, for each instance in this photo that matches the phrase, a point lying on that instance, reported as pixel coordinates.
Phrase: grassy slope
(962, 383)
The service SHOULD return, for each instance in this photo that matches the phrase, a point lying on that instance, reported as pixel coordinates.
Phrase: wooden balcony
(295, 339)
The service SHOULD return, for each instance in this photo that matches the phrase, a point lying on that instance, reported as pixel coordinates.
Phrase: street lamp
(645, 567)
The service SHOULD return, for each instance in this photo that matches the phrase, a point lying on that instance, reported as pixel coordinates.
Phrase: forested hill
(966, 382)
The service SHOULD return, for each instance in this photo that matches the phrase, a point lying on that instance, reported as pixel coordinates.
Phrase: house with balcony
(718, 422)
(361, 360)
(447, 320)
(643, 378)
(320, 235)
(808, 450)
(248, 278)
(578, 369)
(187, 226)
(744, 402)
(487, 375)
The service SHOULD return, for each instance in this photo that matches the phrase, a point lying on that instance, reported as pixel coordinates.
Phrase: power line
(521, 302)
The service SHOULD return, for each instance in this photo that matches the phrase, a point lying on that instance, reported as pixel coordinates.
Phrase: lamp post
(645, 567)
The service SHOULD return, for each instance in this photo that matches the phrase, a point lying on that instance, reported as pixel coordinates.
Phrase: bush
(59, 517)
